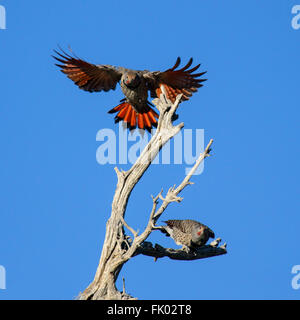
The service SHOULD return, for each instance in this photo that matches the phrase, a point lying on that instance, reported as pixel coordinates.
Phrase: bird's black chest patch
(137, 96)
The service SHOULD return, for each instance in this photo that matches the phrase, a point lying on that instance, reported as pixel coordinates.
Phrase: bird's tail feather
(162, 229)
(144, 120)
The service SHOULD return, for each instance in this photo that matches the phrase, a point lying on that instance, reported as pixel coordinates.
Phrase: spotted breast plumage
(190, 234)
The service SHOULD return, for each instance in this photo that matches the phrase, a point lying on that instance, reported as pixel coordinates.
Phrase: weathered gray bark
(118, 248)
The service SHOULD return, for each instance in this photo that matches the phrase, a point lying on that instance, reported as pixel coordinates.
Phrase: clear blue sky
(55, 198)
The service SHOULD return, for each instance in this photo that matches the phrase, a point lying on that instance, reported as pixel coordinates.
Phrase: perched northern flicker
(135, 109)
(188, 233)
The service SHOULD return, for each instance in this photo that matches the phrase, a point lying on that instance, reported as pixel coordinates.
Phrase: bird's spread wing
(87, 76)
(178, 81)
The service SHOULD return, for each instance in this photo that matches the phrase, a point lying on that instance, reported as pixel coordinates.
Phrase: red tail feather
(133, 119)
(145, 120)
(140, 121)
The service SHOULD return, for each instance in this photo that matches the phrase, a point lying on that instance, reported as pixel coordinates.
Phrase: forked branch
(118, 248)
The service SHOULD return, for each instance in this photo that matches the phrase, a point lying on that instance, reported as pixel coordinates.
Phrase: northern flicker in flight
(135, 110)
(188, 233)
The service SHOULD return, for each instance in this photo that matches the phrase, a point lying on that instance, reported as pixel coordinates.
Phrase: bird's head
(201, 233)
(131, 80)
(197, 233)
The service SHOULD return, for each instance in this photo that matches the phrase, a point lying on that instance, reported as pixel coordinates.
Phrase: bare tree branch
(172, 196)
(158, 251)
(117, 248)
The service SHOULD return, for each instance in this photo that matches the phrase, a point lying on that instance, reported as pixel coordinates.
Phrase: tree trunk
(119, 248)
